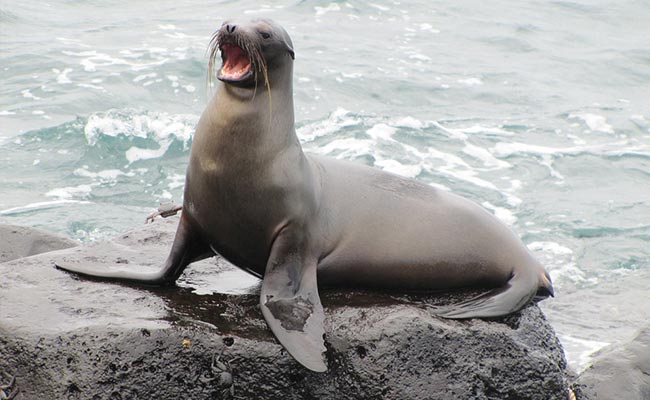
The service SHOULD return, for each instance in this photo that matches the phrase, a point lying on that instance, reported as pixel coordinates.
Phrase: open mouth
(236, 63)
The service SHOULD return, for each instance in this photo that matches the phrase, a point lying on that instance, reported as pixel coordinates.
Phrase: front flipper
(137, 263)
(290, 303)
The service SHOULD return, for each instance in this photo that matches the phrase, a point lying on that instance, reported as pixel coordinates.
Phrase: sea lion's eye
(265, 35)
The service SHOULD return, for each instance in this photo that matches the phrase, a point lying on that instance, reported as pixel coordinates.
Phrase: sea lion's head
(251, 52)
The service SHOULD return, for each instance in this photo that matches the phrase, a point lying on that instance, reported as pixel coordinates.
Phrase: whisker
(254, 52)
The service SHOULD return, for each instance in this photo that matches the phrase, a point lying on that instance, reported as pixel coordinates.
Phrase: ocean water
(538, 110)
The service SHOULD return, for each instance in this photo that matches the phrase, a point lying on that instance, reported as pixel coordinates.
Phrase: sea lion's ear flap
(290, 303)
(291, 52)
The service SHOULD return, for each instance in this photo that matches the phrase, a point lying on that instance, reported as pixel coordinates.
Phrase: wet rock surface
(67, 337)
(20, 241)
(619, 372)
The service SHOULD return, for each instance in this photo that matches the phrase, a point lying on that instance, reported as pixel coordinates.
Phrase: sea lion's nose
(230, 28)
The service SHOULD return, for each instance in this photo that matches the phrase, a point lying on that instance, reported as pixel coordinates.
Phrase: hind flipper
(511, 297)
(290, 302)
(137, 265)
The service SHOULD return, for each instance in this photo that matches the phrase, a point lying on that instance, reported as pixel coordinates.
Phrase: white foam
(6, 113)
(67, 193)
(505, 215)
(594, 122)
(452, 133)
(136, 153)
(329, 8)
(419, 57)
(161, 127)
(511, 199)
(578, 141)
(144, 76)
(75, 42)
(471, 82)
(62, 76)
(408, 122)
(338, 119)
(428, 27)
(440, 186)
(560, 263)
(107, 175)
(584, 348)
(515, 184)
(379, 7)
(381, 131)
(259, 11)
(90, 86)
(508, 149)
(347, 148)
(176, 181)
(39, 206)
(485, 156)
(487, 130)
(454, 166)
(396, 167)
(29, 95)
(468, 175)
(93, 59)
(394, 157)
(104, 125)
(351, 75)
(550, 247)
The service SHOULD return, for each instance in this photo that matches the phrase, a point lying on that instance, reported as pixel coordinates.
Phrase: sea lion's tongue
(236, 63)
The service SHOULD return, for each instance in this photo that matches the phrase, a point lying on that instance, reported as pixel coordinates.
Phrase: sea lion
(253, 196)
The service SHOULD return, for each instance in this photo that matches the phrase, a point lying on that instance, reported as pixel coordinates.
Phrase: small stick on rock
(164, 210)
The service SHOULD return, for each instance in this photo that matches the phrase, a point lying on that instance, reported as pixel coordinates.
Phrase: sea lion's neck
(261, 119)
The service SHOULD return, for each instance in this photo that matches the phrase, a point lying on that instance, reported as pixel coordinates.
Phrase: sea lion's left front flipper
(138, 258)
(290, 303)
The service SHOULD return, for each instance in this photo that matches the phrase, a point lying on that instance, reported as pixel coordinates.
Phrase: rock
(619, 372)
(67, 337)
(19, 241)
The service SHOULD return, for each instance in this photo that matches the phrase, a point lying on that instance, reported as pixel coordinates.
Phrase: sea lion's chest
(239, 202)
(233, 205)
(245, 178)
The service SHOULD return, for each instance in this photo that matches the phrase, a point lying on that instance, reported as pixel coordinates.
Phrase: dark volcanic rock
(619, 372)
(19, 241)
(66, 337)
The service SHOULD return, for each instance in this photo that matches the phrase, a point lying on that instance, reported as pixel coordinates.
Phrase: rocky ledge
(619, 372)
(19, 241)
(66, 337)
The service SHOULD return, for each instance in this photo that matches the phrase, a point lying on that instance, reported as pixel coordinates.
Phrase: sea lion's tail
(524, 285)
